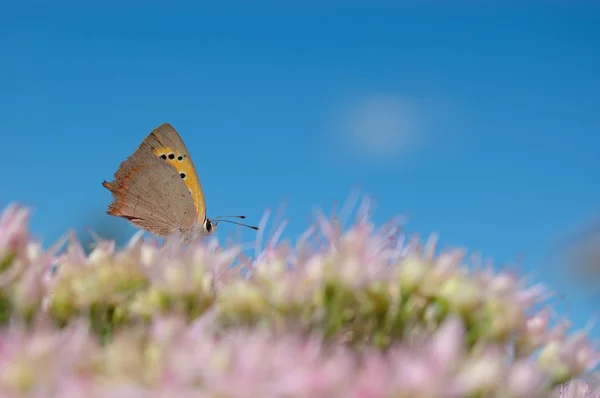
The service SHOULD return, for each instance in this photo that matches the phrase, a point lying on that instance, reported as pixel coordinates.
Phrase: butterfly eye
(208, 225)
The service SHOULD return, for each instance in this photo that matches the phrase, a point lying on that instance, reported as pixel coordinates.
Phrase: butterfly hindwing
(151, 194)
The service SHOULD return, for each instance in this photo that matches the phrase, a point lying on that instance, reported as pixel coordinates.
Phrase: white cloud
(380, 127)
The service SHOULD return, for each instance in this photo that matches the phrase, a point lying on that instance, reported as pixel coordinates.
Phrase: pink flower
(351, 313)
(525, 379)
(13, 230)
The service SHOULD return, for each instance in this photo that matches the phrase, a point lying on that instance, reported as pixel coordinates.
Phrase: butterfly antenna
(238, 223)
(220, 217)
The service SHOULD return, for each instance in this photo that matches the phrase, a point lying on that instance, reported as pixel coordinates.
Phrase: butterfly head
(209, 227)
(206, 228)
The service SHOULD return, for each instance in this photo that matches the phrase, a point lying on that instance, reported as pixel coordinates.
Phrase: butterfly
(157, 189)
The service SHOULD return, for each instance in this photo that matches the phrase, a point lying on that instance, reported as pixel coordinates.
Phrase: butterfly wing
(168, 146)
(151, 194)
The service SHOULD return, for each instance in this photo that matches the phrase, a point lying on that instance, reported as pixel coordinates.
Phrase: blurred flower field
(351, 312)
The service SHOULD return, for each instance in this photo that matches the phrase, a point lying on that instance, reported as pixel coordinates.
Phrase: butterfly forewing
(168, 146)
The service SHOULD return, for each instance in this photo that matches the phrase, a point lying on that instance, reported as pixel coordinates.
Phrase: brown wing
(151, 195)
(168, 146)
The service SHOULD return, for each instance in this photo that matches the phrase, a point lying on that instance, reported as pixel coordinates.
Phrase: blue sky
(478, 123)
